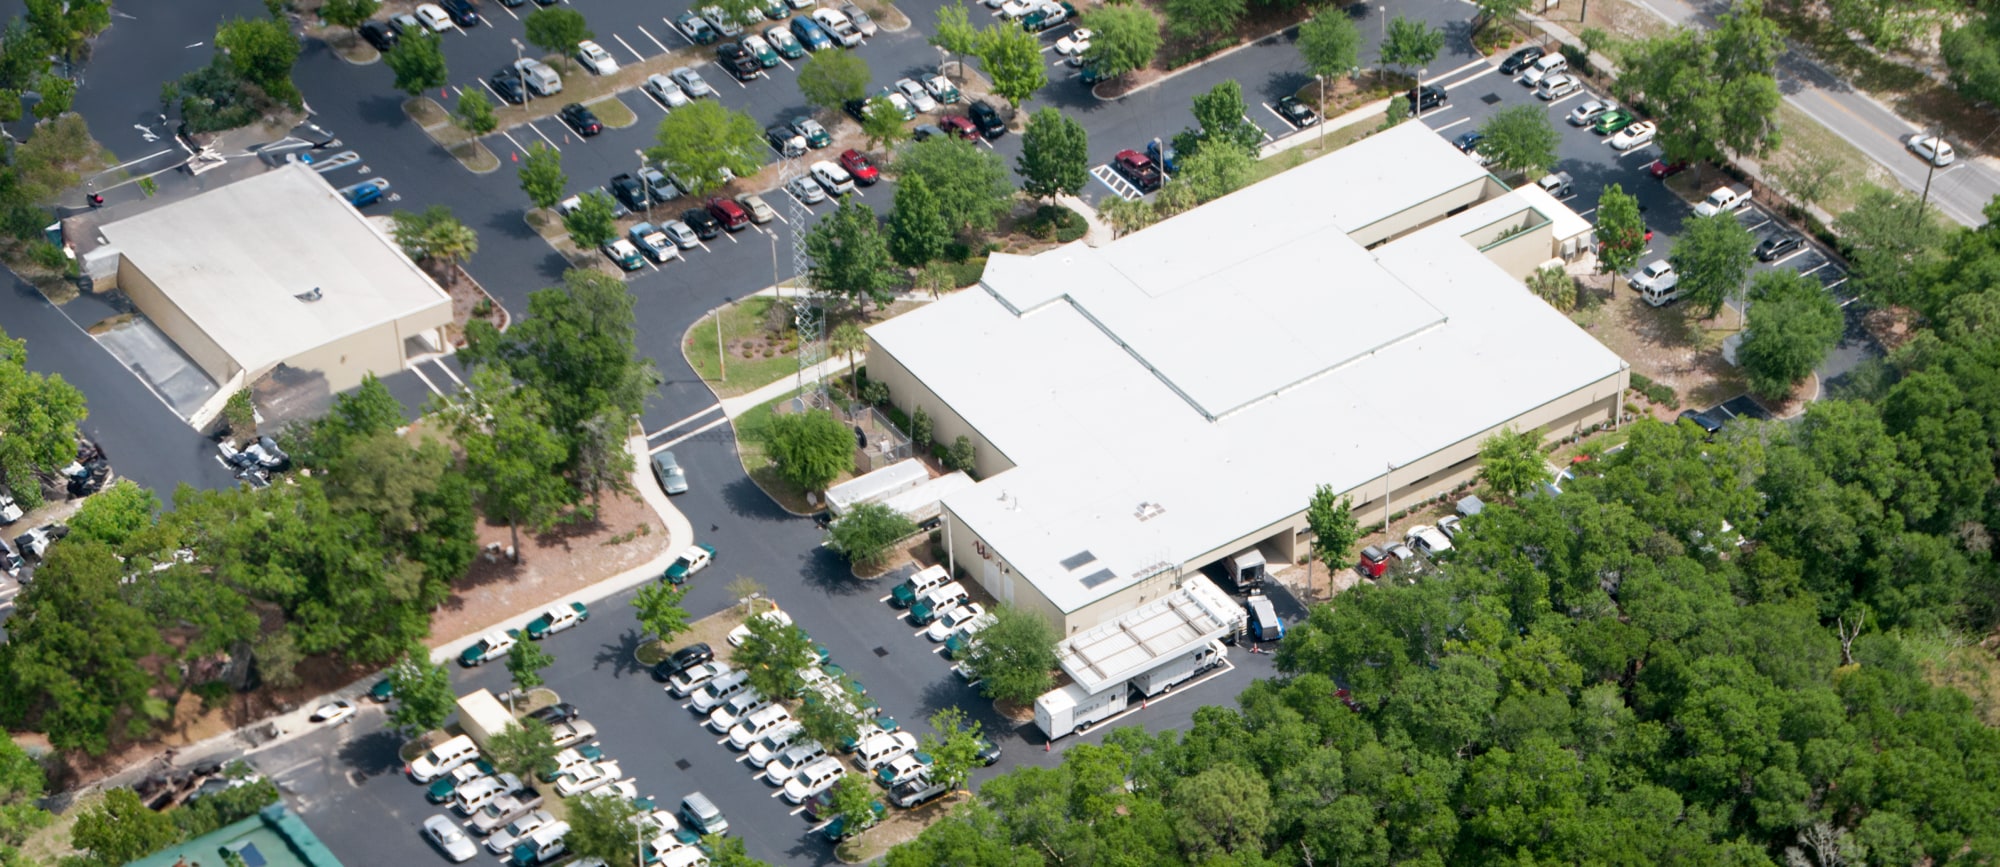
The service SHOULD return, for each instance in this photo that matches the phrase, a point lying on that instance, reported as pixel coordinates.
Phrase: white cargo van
(442, 759)
(719, 690)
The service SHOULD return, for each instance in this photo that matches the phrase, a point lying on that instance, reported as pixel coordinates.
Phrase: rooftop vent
(1149, 511)
(309, 297)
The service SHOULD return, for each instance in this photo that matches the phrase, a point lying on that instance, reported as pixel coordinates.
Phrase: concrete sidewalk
(742, 403)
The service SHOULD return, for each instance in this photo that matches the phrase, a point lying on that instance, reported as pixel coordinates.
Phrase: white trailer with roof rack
(1152, 648)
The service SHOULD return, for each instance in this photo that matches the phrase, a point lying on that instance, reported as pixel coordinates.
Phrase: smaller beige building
(274, 270)
(1170, 400)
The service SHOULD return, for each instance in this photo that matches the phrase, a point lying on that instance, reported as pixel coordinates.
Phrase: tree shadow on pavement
(620, 654)
(373, 754)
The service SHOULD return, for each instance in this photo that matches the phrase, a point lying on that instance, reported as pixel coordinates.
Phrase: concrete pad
(147, 351)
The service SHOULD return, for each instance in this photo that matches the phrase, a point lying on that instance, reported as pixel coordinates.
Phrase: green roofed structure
(272, 838)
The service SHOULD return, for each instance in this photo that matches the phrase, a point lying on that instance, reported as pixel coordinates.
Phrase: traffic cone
(516, 155)
(1045, 746)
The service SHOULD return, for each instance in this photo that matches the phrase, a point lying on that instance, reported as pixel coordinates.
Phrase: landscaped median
(440, 126)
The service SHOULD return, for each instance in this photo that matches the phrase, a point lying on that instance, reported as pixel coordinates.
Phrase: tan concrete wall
(175, 323)
(345, 361)
(908, 392)
(1423, 212)
(1521, 254)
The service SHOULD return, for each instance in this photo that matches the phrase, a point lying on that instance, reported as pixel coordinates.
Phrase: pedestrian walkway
(1372, 113)
(742, 403)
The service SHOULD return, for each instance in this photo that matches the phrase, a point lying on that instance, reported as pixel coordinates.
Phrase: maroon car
(1663, 170)
(1137, 168)
(959, 126)
(857, 164)
(729, 214)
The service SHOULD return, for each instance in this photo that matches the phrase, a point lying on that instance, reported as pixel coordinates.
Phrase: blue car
(813, 36)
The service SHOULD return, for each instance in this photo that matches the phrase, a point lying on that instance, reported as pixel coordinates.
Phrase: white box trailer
(923, 503)
(876, 486)
(1188, 665)
(1069, 709)
(482, 716)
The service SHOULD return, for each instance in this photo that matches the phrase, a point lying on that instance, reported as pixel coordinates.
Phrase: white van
(719, 690)
(882, 749)
(442, 759)
(813, 779)
(538, 76)
(1550, 64)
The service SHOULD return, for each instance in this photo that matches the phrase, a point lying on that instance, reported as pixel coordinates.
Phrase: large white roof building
(1172, 398)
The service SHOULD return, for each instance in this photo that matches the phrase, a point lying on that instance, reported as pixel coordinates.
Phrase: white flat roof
(894, 478)
(1168, 627)
(1191, 383)
(234, 257)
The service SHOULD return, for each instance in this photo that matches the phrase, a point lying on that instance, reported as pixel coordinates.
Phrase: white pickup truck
(1723, 199)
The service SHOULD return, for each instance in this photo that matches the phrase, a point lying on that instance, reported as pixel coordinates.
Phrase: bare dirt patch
(625, 534)
(1666, 344)
(900, 826)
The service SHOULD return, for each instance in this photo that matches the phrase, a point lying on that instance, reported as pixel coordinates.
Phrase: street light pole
(1418, 109)
(721, 358)
(1930, 168)
(645, 186)
(521, 75)
(1322, 132)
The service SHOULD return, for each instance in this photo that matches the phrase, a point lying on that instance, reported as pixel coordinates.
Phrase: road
(1961, 191)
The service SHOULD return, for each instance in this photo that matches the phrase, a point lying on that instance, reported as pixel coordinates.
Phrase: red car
(864, 172)
(959, 126)
(1663, 170)
(1138, 169)
(1373, 562)
(729, 214)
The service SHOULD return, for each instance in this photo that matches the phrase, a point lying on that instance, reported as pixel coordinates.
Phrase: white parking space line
(788, 64)
(885, 599)
(656, 40)
(1761, 225)
(545, 137)
(1274, 113)
(447, 372)
(1586, 214)
(1452, 124)
(938, 649)
(1814, 268)
(1450, 73)
(802, 204)
(1795, 254)
(427, 381)
(510, 12)
(730, 75)
(780, 792)
(689, 435)
(781, 219)
(511, 140)
(732, 237)
(703, 245)
(490, 91)
(628, 47)
(1560, 100)
(1471, 78)
(486, 21)
(722, 740)
(1267, 136)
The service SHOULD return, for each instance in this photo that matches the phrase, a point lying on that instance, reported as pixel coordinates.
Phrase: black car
(1519, 60)
(547, 2)
(555, 713)
(1427, 97)
(738, 60)
(704, 224)
(379, 35)
(1297, 113)
(512, 4)
(507, 83)
(987, 118)
(461, 12)
(1779, 244)
(581, 119)
(783, 140)
(856, 108)
(1469, 141)
(989, 752)
(628, 191)
(1703, 420)
(683, 659)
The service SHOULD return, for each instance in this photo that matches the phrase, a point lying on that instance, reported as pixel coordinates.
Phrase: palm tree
(847, 339)
(450, 242)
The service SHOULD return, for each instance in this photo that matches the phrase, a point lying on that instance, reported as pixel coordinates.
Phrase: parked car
(1543, 67)
(815, 135)
(434, 17)
(555, 713)
(697, 29)
(856, 163)
(729, 214)
(783, 140)
(1451, 526)
(449, 839)
(740, 634)
(581, 119)
(1427, 539)
(1469, 141)
(1557, 86)
(508, 86)
(462, 12)
(692, 82)
(1137, 168)
(703, 223)
(692, 559)
(684, 682)
(683, 237)
(666, 91)
(557, 618)
(833, 178)
(1709, 426)
(1613, 120)
(658, 187)
(1932, 149)
(624, 254)
(766, 56)
(378, 35)
(1519, 60)
(1427, 97)
(941, 89)
(754, 205)
(919, 98)
(682, 660)
(1587, 113)
(961, 127)
(1046, 16)
(811, 34)
(1658, 275)
(489, 647)
(628, 191)
(859, 18)
(737, 60)
(1296, 112)
(595, 58)
(806, 190)
(783, 42)
(1662, 170)
(1636, 136)
(837, 26)
(987, 118)
(1776, 246)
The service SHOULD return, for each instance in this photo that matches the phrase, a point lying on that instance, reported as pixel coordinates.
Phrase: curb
(1248, 43)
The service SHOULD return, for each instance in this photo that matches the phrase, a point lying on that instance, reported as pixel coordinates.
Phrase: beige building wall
(175, 323)
(980, 562)
(346, 360)
(908, 392)
(1519, 255)
(1423, 212)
